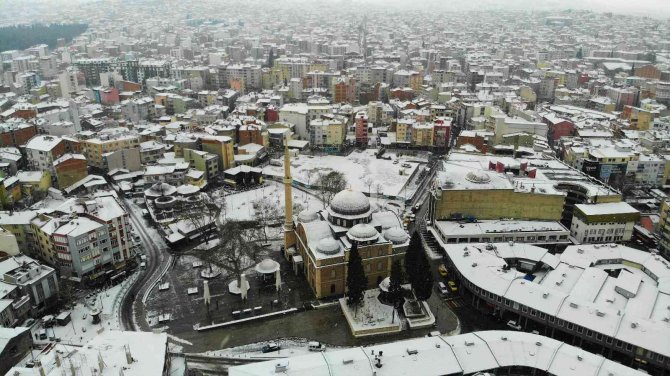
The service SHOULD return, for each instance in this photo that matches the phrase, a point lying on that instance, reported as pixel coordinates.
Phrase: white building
(545, 233)
(575, 295)
(465, 354)
(296, 114)
(42, 150)
(37, 283)
(110, 353)
(603, 223)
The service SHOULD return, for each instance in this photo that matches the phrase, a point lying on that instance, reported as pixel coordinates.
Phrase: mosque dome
(395, 235)
(349, 202)
(307, 216)
(160, 189)
(478, 177)
(328, 246)
(362, 232)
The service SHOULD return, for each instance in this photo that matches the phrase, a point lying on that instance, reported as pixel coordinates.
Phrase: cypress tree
(395, 289)
(356, 280)
(423, 282)
(411, 256)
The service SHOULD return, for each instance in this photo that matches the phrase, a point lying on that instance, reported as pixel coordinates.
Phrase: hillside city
(343, 187)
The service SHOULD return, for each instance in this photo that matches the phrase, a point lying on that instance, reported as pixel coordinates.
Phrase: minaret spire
(289, 234)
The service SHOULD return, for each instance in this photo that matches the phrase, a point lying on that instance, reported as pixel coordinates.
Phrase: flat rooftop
(468, 171)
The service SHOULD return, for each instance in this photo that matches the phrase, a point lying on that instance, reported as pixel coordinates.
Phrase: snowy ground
(371, 315)
(239, 206)
(289, 347)
(364, 172)
(81, 328)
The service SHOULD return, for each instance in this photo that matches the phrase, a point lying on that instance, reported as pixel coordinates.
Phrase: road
(132, 307)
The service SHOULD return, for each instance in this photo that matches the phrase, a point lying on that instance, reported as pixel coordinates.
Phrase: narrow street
(132, 310)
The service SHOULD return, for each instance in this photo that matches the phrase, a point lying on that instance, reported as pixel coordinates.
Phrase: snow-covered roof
(577, 288)
(350, 202)
(43, 142)
(447, 355)
(112, 348)
(606, 208)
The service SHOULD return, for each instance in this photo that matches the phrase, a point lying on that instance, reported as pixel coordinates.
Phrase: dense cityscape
(346, 187)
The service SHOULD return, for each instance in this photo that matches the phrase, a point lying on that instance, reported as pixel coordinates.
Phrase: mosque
(317, 242)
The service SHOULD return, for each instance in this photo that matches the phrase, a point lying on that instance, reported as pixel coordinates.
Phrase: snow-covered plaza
(363, 171)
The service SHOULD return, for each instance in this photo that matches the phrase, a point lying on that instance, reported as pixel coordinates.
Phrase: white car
(444, 290)
(513, 325)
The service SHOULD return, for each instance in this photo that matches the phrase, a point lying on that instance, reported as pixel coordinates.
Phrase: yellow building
(18, 223)
(491, 187)
(203, 161)
(222, 147)
(403, 131)
(196, 178)
(556, 75)
(327, 133)
(32, 181)
(324, 240)
(10, 191)
(423, 135)
(42, 227)
(317, 243)
(94, 148)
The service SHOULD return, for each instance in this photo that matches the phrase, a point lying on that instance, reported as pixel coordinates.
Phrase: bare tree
(369, 182)
(329, 185)
(204, 217)
(266, 213)
(238, 248)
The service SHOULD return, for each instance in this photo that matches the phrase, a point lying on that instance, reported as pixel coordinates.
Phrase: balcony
(19, 304)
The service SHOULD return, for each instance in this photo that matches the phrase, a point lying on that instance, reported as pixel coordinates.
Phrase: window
(599, 337)
(580, 329)
(629, 347)
(570, 326)
(589, 333)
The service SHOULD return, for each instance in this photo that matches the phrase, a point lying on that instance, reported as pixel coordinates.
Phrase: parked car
(442, 270)
(316, 346)
(270, 347)
(452, 286)
(443, 288)
(513, 325)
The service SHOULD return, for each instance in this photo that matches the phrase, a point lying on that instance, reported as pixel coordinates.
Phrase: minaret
(289, 233)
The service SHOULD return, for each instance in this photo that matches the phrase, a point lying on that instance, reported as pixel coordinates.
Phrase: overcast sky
(656, 8)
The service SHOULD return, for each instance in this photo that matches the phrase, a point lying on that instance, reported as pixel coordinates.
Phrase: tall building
(361, 128)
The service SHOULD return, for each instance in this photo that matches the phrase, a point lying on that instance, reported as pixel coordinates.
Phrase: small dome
(362, 232)
(160, 189)
(267, 266)
(187, 189)
(349, 202)
(478, 177)
(307, 216)
(328, 246)
(395, 235)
